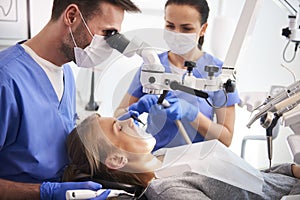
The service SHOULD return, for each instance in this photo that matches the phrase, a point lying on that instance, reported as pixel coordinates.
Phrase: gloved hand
(57, 191)
(144, 104)
(180, 109)
(130, 114)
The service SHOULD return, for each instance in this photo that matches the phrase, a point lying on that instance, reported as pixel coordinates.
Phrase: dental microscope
(156, 81)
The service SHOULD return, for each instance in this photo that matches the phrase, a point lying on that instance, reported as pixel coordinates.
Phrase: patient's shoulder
(179, 187)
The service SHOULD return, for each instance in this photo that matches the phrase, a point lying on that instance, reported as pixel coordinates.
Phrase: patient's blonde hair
(88, 161)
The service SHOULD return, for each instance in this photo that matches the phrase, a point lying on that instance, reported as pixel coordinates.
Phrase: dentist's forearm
(19, 191)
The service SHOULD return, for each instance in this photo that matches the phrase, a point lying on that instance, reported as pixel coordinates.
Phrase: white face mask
(180, 43)
(94, 54)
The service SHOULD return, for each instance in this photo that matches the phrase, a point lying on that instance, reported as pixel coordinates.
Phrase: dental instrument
(137, 119)
(271, 103)
(87, 194)
(273, 109)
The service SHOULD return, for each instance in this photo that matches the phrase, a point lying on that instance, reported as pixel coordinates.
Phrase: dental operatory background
(259, 66)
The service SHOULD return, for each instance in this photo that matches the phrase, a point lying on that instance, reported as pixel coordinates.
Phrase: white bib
(212, 159)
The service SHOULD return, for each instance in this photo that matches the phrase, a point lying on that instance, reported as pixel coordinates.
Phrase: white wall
(40, 14)
(258, 66)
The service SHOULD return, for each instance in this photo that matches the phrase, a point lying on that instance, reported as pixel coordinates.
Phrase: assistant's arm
(222, 129)
(16, 190)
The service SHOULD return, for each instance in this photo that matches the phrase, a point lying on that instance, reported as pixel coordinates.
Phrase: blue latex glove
(130, 114)
(57, 191)
(144, 104)
(179, 109)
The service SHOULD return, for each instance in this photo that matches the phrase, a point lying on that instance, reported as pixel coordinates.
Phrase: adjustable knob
(190, 66)
(229, 86)
(211, 69)
(286, 32)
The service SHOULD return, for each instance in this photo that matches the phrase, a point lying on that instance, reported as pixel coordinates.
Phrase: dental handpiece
(137, 119)
(83, 194)
(88, 194)
(288, 92)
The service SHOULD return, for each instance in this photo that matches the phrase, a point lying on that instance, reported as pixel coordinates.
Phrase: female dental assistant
(185, 26)
(37, 96)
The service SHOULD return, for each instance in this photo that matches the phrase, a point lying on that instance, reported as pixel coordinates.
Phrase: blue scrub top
(33, 123)
(164, 130)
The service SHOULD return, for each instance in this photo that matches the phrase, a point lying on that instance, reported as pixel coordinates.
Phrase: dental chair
(292, 120)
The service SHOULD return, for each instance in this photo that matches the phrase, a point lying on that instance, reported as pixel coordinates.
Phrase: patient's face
(126, 135)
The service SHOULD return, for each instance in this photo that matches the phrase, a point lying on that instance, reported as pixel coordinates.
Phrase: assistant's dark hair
(88, 7)
(200, 5)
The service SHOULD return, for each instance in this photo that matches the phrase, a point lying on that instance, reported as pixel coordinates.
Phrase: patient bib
(212, 159)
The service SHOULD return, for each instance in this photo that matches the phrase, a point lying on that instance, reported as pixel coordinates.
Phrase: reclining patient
(120, 151)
